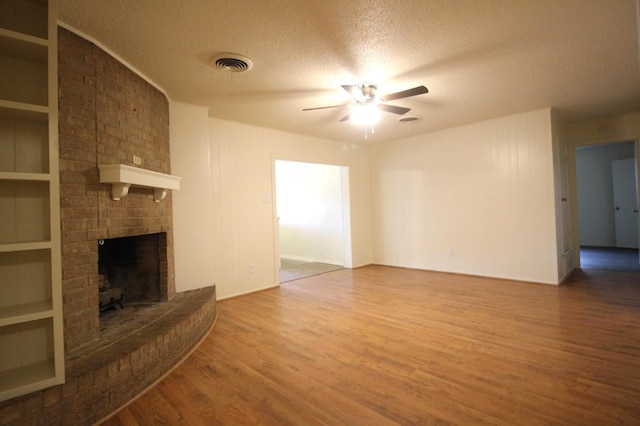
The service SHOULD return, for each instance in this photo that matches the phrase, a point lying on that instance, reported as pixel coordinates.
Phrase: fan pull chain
(366, 128)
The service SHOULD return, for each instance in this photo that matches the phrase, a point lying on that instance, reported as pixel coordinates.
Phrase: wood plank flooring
(387, 346)
(609, 258)
(291, 269)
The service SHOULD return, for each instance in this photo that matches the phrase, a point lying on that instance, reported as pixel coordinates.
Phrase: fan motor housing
(368, 91)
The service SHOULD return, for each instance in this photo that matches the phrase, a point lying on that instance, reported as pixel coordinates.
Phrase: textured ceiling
(480, 59)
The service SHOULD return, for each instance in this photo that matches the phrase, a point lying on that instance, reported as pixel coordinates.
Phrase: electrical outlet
(252, 268)
(137, 160)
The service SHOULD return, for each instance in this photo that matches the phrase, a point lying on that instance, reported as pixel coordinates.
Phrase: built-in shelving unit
(32, 355)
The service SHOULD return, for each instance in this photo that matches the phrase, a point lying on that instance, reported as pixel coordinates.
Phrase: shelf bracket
(119, 190)
(159, 194)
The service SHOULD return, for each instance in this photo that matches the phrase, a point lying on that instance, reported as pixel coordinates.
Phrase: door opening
(607, 188)
(313, 225)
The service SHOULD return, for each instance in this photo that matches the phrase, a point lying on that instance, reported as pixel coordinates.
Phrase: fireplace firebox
(129, 270)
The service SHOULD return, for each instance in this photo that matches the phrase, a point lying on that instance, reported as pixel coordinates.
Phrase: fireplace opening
(129, 271)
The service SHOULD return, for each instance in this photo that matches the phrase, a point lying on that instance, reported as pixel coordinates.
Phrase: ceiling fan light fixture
(366, 114)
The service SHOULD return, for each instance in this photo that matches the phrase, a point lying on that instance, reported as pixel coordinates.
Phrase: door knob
(634, 210)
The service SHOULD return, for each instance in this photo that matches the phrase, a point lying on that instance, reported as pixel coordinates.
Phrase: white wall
(246, 217)
(596, 217)
(477, 199)
(193, 204)
(224, 215)
(309, 208)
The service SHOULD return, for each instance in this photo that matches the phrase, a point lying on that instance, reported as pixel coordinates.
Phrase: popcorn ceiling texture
(480, 59)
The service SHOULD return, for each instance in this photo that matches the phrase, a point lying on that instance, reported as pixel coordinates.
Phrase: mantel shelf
(121, 177)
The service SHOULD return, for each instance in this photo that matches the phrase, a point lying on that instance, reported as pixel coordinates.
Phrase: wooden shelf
(16, 314)
(23, 110)
(121, 177)
(13, 247)
(23, 68)
(23, 46)
(25, 146)
(31, 325)
(29, 18)
(22, 37)
(16, 176)
(29, 378)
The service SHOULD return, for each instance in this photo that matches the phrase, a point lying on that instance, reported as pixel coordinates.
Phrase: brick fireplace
(108, 114)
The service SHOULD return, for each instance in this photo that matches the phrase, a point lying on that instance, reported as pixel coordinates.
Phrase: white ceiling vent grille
(231, 62)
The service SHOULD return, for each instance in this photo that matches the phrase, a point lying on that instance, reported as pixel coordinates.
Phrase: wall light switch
(137, 160)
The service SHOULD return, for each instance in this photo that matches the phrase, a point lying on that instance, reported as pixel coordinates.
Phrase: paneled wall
(227, 189)
(476, 199)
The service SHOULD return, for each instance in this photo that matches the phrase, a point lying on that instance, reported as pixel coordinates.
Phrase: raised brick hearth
(108, 114)
(106, 373)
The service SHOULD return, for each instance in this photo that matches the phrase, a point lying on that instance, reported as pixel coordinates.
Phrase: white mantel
(121, 177)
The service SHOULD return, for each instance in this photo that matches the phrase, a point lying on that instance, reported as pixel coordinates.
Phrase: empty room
(460, 177)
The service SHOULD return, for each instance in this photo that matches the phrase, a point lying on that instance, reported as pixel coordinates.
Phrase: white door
(625, 200)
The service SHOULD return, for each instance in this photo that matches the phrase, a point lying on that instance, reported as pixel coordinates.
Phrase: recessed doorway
(606, 177)
(313, 224)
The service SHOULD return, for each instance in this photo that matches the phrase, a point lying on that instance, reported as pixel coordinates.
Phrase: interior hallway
(609, 259)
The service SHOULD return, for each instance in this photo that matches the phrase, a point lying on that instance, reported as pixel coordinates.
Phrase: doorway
(607, 192)
(313, 224)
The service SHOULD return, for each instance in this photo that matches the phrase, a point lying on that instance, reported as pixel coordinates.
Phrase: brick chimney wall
(107, 114)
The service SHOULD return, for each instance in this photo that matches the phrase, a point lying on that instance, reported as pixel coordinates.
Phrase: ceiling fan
(367, 101)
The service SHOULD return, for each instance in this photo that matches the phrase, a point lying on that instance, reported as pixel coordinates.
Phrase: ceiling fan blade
(351, 89)
(405, 93)
(393, 109)
(345, 118)
(325, 107)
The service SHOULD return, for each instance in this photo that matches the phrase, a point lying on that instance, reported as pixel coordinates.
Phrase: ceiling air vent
(231, 62)
(409, 119)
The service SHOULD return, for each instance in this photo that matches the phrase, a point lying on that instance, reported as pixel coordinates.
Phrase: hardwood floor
(609, 258)
(295, 269)
(382, 346)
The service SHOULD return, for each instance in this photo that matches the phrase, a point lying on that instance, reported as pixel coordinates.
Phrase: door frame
(573, 185)
(346, 211)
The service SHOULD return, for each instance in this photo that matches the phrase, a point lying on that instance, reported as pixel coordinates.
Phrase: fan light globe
(365, 114)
